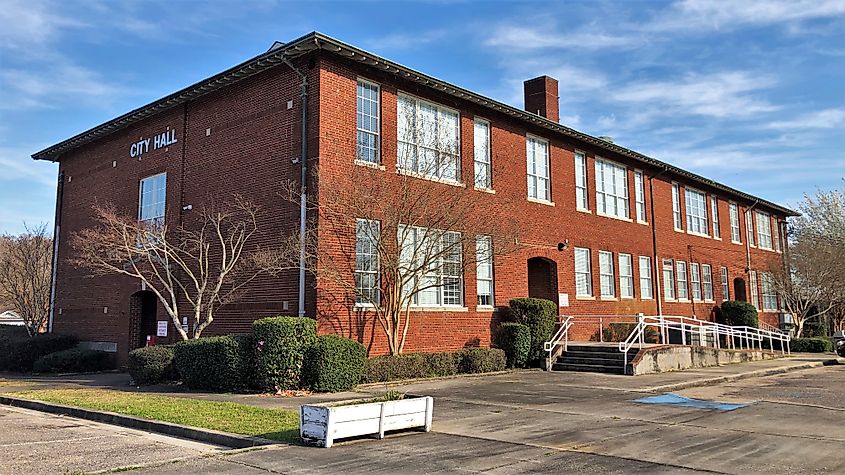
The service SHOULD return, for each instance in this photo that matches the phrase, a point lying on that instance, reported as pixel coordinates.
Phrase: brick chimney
(541, 97)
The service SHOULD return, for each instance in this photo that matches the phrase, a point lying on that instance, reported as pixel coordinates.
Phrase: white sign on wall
(563, 300)
(161, 330)
(142, 146)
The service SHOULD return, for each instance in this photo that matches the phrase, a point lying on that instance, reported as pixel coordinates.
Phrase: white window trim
(378, 121)
(547, 178)
(705, 218)
(630, 276)
(715, 220)
(377, 271)
(579, 154)
(141, 198)
(695, 278)
(749, 230)
(704, 284)
(486, 262)
(649, 277)
(677, 217)
(755, 296)
(685, 281)
(415, 305)
(672, 286)
(767, 219)
(489, 154)
(725, 280)
(733, 206)
(627, 196)
(413, 173)
(589, 272)
(612, 276)
(641, 192)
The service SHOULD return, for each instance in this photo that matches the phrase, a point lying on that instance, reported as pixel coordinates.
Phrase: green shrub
(739, 314)
(333, 364)
(214, 363)
(481, 360)
(19, 353)
(816, 344)
(391, 368)
(249, 373)
(515, 340)
(74, 360)
(280, 344)
(152, 365)
(539, 315)
(618, 331)
(440, 364)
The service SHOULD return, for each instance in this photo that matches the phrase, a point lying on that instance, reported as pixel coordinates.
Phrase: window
(583, 274)
(668, 280)
(676, 207)
(611, 189)
(770, 297)
(707, 281)
(714, 208)
(749, 228)
(152, 200)
(606, 278)
(646, 288)
(683, 289)
(481, 147)
(764, 230)
(696, 207)
(736, 236)
(367, 236)
(537, 152)
(776, 235)
(581, 200)
(442, 283)
(726, 289)
(754, 299)
(368, 121)
(695, 280)
(626, 276)
(484, 270)
(639, 194)
(428, 138)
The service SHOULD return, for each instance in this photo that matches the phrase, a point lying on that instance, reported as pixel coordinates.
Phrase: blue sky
(750, 93)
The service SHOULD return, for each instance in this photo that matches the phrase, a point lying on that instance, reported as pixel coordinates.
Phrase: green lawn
(274, 424)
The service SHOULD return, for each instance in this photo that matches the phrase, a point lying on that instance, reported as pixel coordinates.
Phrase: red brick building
(604, 230)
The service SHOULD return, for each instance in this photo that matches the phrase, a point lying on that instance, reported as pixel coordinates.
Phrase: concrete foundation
(660, 359)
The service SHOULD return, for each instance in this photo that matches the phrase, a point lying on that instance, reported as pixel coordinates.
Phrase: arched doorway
(142, 317)
(542, 279)
(739, 290)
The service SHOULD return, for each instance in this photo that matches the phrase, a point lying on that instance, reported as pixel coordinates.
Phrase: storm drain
(670, 399)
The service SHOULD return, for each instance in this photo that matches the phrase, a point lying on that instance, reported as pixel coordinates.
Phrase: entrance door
(542, 279)
(739, 290)
(142, 318)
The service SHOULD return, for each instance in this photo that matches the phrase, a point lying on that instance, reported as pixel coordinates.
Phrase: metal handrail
(562, 333)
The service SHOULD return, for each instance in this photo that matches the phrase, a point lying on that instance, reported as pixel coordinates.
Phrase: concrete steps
(594, 359)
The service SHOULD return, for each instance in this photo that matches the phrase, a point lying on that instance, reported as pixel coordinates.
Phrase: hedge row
(817, 344)
(19, 352)
(74, 360)
(427, 365)
(220, 363)
(539, 316)
(152, 365)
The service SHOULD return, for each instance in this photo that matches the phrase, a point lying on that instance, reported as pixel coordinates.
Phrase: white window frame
(695, 204)
(755, 300)
(707, 282)
(439, 290)
(668, 272)
(639, 196)
(607, 275)
(676, 207)
(447, 166)
(152, 213)
(367, 235)
(768, 293)
(764, 230)
(695, 281)
(362, 130)
(582, 196)
(585, 272)
(726, 286)
(605, 196)
(482, 158)
(682, 279)
(749, 228)
(714, 210)
(626, 276)
(736, 231)
(646, 281)
(534, 173)
(484, 270)
(776, 235)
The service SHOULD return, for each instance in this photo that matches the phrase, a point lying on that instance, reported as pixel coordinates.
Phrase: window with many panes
(668, 280)
(367, 236)
(676, 207)
(368, 121)
(639, 195)
(537, 153)
(646, 287)
(754, 297)
(714, 210)
(626, 276)
(695, 280)
(764, 230)
(581, 198)
(707, 281)
(683, 288)
(606, 274)
(696, 207)
(429, 139)
(152, 199)
(749, 228)
(770, 296)
(736, 235)
(726, 288)
(441, 282)
(583, 273)
(481, 148)
(776, 235)
(611, 189)
(484, 270)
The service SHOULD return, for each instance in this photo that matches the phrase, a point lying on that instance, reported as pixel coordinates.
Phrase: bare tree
(389, 243)
(193, 270)
(25, 277)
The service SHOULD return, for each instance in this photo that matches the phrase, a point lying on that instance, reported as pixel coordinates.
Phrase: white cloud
(26, 24)
(531, 37)
(823, 119)
(398, 41)
(17, 167)
(47, 85)
(687, 15)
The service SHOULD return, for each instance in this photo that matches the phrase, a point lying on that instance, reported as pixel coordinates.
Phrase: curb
(365, 386)
(167, 428)
(741, 376)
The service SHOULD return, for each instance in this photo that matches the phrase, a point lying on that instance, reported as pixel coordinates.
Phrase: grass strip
(273, 424)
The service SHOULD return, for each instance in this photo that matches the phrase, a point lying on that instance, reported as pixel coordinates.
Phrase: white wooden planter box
(323, 423)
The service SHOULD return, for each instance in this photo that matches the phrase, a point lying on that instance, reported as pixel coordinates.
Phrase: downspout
(303, 161)
(656, 274)
(56, 228)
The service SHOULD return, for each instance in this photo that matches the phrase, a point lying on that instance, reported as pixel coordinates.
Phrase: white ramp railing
(553, 346)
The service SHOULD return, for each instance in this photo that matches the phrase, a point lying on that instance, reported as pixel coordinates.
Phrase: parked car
(839, 342)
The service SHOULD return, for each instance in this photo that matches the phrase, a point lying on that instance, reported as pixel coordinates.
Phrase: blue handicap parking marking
(670, 399)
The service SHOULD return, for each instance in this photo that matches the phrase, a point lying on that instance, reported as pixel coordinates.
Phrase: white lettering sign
(142, 146)
(161, 330)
